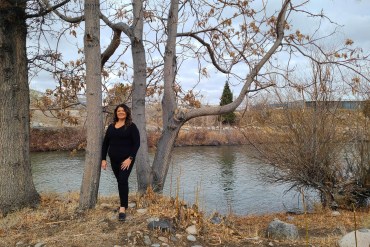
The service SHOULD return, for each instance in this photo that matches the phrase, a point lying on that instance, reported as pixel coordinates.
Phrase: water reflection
(227, 161)
(221, 178)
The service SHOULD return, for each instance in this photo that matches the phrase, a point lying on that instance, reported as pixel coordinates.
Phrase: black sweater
(120, 143)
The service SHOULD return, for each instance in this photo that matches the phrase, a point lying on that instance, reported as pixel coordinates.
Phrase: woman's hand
(104, 164)
(126, 164)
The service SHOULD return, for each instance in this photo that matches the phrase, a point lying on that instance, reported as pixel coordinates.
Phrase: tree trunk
(142, 164)
(171, 125)
(173, 117)
(94, 121)
(16, 186)
(143, 169)
(162, 157)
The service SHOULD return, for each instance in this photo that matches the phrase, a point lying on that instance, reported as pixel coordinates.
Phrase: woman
(121, 142)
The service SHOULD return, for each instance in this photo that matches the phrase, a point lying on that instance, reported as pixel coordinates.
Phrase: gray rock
(40, 244)
(20, 243)
(163, 225)
(147, 240)
(132, 205)
(155, 245)
(191, 238)
(349, 240)
(280, 230)
(152, 219)
(173, 238)
(216, 220)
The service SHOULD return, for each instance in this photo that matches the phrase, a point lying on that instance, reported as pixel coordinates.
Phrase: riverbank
(70, 138)
(57, 222)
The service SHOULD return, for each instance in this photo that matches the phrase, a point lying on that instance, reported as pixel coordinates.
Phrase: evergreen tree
(226, 98)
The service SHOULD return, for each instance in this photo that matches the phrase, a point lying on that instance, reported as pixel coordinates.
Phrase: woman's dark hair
(127, 109)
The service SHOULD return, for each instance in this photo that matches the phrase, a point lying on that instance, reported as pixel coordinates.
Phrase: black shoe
(121, 216)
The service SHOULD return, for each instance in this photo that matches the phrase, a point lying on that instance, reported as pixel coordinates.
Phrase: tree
(227, 98)
(240, 46)
(94, 123)
(16, 186)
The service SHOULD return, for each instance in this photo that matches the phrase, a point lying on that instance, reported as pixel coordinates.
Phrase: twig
(57, 222)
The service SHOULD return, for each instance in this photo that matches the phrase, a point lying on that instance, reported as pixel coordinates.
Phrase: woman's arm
(135, 135)
(105, 145)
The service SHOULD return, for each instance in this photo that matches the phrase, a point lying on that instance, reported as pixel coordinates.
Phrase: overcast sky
(352, 15)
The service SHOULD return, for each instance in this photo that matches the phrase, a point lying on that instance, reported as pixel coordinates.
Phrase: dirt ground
(58, 222)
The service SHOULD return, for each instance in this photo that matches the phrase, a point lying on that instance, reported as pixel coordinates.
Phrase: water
(224, 178)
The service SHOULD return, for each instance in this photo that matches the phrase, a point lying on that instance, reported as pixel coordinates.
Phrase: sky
(352, 15)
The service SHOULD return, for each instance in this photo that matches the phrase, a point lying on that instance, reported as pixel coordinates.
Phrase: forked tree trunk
(16, 186)
(94, 123)
(171, 126)
(173, 117)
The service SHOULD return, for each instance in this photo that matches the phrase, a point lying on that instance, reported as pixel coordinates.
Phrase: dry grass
(57, 222)
(69, 138)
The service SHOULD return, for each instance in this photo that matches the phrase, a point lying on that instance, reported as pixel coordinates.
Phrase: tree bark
(94, 121)
(171, 126)
(162, 159)
(143, 169)
(16, 186)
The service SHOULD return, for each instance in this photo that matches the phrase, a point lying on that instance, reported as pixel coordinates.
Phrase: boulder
(162, 224)
(349, 240)
(280, 230)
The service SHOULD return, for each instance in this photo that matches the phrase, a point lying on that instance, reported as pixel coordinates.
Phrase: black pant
(122, 180)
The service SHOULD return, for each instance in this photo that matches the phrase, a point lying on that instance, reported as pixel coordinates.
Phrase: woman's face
(121, 114)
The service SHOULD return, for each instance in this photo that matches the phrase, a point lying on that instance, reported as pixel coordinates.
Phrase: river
(223, 178)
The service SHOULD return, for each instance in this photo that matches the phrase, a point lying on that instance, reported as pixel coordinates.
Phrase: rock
(40, 244)
(117, 246)
(179, 236)
(132, 205)
(335, 213)
(163, 239)
(196, 246)
(362, 235)
(192, 230)
(142, 210)
(173, 238)
(191, 238)
(162, 225)
(280, 230)
(271, 244)
(216, 220)
(147, 240)
(105, 205)
(155, 245)
(152, 219)
(20, 243)
(340, 230)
